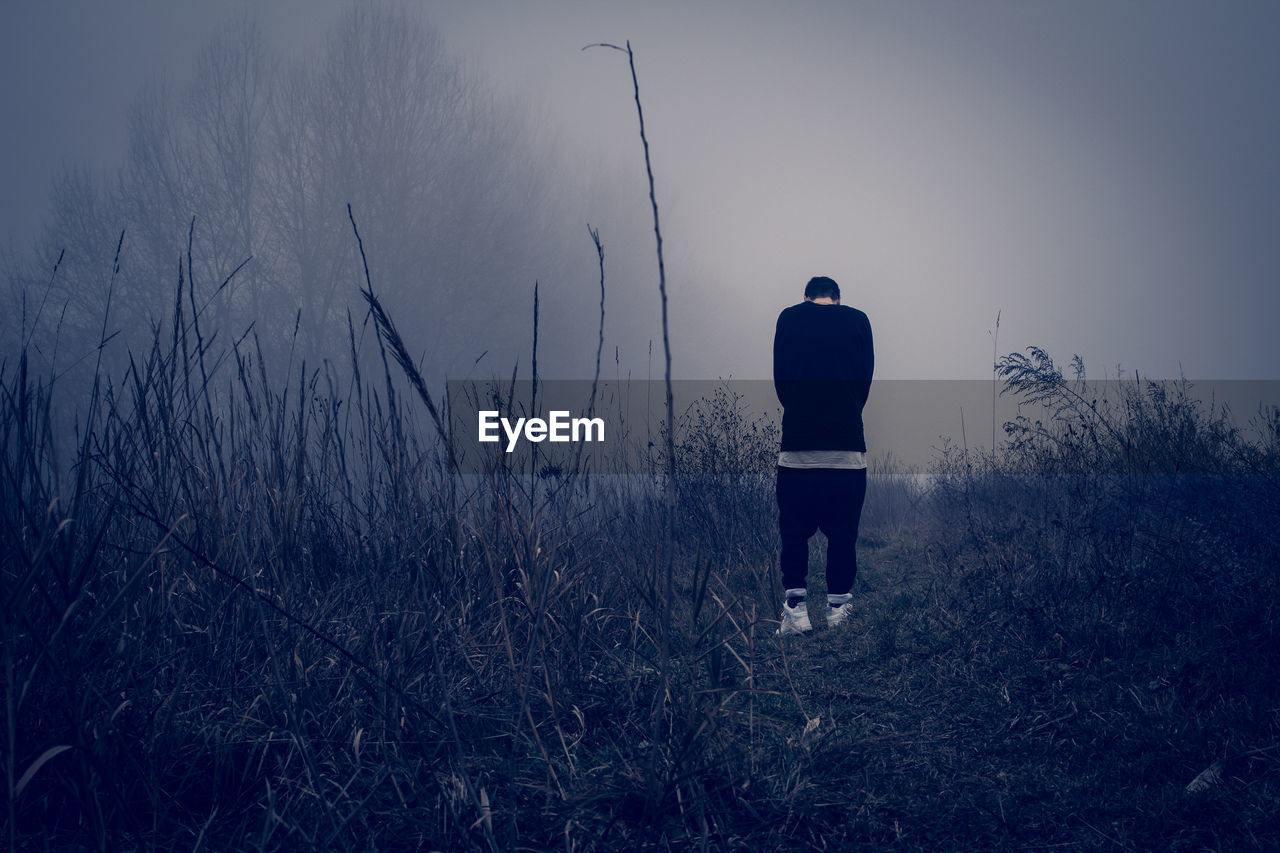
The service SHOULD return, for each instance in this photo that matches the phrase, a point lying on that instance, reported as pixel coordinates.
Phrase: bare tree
(445, 197)
(450, 197)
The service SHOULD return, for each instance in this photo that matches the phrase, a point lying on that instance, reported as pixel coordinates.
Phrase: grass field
(246, 615)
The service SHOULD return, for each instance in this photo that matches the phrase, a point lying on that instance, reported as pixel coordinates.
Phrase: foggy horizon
(1102, 177)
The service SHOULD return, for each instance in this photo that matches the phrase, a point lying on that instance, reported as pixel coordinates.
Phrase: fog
(1102, 176)
(254, 190)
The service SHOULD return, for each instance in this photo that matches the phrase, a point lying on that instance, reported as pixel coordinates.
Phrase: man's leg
(842, 495)
(797, 521)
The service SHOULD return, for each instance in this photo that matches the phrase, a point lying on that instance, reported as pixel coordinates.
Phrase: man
(822, 365)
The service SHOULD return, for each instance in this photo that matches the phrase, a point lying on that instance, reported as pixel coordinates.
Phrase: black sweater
(822, 365)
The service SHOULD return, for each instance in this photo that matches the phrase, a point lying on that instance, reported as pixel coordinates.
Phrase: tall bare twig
(664, 646)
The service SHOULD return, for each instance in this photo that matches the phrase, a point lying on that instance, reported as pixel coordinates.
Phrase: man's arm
(867, 358)
(782, 371)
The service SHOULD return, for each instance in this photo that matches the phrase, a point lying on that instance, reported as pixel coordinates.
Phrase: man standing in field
(822, 365)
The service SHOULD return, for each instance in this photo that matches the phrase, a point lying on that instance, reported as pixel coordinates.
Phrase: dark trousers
(826, 499)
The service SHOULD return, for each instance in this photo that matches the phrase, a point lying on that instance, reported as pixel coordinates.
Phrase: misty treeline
(250, 167)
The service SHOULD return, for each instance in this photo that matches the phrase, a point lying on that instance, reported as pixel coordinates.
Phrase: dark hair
(820, 286)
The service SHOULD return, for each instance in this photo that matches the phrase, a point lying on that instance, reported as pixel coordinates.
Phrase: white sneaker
(837, 616)
(795, 620)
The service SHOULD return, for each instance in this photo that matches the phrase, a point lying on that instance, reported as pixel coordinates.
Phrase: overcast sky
(1104, 174)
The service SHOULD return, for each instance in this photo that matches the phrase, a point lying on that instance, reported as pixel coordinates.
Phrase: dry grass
(240, 616)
